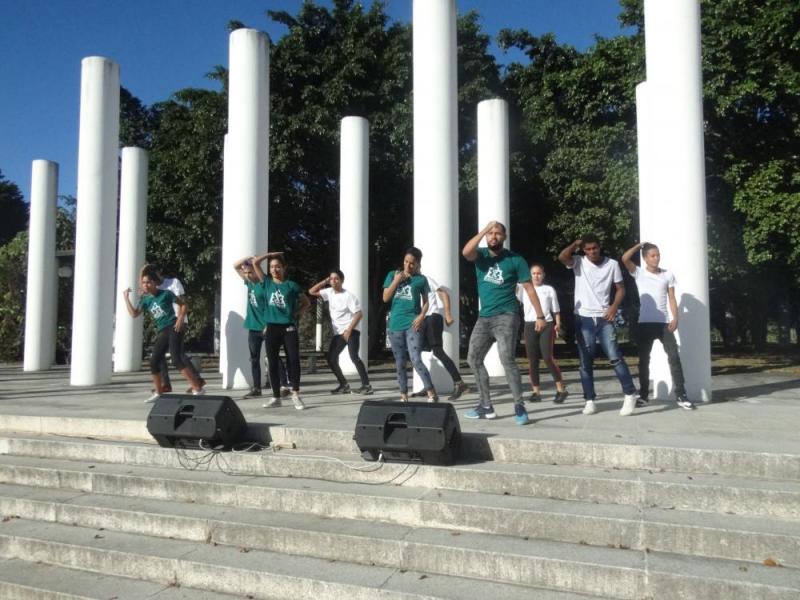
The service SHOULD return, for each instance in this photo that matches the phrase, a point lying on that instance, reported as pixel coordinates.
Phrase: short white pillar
(676, 178)
(42, 295)
(245, 203)
(354, 224)
(96, 227)
(494, 200)
(131, 257)
(436, 162)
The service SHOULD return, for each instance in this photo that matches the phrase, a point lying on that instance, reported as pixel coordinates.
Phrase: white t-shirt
(174, 285)
(653, 294)
(342, 307)
(435, 306)
(547, 298)
(593, 284)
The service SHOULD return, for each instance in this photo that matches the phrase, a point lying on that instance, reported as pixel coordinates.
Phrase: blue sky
(166, 45)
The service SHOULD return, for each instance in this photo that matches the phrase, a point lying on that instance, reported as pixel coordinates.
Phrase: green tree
(13, 208)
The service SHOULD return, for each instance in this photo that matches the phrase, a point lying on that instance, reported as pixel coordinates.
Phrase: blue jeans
(407, 344)
(589, 332)
(503, 329)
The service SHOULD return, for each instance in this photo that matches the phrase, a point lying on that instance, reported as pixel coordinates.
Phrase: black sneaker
(684, 402)
(640, 402)
(419, 394)
(365, 390)
(560, 397)
(534, 397)
(341, 389)
(253, 393)
(459, 389)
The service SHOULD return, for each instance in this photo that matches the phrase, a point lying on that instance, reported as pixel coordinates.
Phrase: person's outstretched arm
(315, 289)
(627, 257)
(134, 312)
(470, 250)
(566, 256)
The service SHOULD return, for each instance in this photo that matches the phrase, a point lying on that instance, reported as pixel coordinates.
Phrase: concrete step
(25, 580)
(239, 571)
(647, 489)
(692, 454)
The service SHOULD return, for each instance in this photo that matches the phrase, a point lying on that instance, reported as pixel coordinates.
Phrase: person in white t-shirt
(346, 315)
(539, 344)
(656, 290)
(595, 275)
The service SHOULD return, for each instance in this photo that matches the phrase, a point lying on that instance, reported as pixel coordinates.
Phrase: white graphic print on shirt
(494, 275)
(404, 292)
(277, 299)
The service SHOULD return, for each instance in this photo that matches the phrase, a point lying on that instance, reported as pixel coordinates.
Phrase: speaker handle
(186, 411)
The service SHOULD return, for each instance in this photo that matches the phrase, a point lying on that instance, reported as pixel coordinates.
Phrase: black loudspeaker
(405, 431)
(185, 420)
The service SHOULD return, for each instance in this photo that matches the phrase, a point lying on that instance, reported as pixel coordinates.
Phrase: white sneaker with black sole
(274, 403)
(589, 408)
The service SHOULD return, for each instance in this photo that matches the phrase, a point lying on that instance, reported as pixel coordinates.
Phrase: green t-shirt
(160, 308)
(256, 319)
(281, 301)
(406, 302)
(498, 277)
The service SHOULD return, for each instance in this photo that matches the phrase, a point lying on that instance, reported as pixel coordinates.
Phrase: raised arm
(237, 266)
(627, 257)
(257, 260)
(566, 256)
(317, 287)
(134, 312)
(470, 250)
(388, 292)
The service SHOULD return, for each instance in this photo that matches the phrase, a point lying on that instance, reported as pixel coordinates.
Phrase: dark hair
(279, 258)
(415, 252)
(589, 238)
(151, 273)
(646, 247)
(339, 274)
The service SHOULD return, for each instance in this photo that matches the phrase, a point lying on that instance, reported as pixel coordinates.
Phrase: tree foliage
(13, 208)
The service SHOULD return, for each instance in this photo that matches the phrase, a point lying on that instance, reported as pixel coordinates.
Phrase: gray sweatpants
(503, 329)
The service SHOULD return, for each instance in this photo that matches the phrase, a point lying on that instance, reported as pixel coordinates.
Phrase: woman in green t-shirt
(284, 303)
(158, 303)
(407, 291)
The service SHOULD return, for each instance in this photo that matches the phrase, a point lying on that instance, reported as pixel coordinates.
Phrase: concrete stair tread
(233, 569)
(21, 579)
(619, 527)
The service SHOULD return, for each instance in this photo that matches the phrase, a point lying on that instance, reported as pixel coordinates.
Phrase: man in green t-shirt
(498, 271)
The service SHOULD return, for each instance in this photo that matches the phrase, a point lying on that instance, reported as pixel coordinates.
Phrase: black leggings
(167, 339)
(254, 341)
(286, 336)
(432, 330)
(539, 344)
(337, 345)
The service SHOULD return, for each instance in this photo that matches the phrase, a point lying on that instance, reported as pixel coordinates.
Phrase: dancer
(285, 304)
(595, 275)
(174, 285)
(656, 287)
(346, 315)
(539, 344)
(408, 293)
(498, 271)
(255, 323)
(439, 314)
(158, 303)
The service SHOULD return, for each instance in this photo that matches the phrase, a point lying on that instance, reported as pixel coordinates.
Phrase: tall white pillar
(436, 161)
(42, 296)
(245, 203)
(96, 227)
(494, 200)
(354, 224)
(131, 257)
(676, 177)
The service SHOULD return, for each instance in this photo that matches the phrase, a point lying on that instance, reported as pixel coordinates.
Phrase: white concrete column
(676, 177)
(245, 188)
(494, 200)
(354, 224)
(96, 227)
(131, 257)
(42, 295)
(436, 161)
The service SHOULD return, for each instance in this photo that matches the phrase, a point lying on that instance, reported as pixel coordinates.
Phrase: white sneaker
(628, 405)
(589, 408)
(153, 398)
(274, 403)
(298, 403)
(200, 392)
